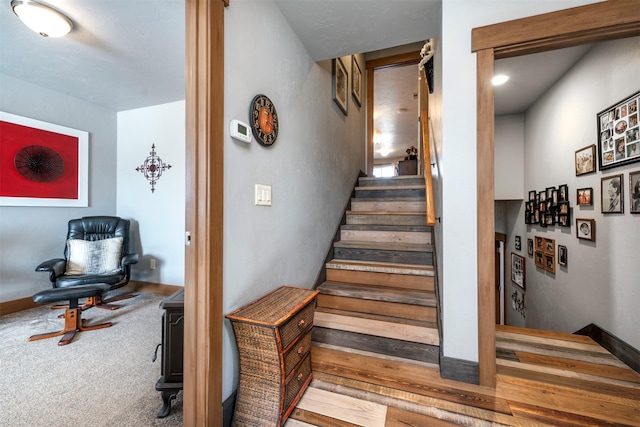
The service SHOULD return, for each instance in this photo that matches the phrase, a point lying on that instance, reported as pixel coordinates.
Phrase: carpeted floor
(103, 378)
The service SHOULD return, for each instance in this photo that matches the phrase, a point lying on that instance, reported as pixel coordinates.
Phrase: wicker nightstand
(273, 335)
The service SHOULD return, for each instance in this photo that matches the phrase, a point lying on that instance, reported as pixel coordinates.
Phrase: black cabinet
(170, 382)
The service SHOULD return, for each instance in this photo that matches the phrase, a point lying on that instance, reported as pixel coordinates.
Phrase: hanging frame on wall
(619, 133)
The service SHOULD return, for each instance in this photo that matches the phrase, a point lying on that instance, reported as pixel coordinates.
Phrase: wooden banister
(426, 152)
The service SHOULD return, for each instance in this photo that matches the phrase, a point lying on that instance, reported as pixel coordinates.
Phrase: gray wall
(30, 235)
(311, 167)
(600, 283)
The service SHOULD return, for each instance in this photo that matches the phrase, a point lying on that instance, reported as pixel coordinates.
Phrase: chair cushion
(94, 257)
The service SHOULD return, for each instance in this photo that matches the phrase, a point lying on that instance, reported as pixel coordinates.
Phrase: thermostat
(240, 131)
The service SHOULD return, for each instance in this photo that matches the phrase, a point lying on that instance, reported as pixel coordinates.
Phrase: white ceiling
(125, 54)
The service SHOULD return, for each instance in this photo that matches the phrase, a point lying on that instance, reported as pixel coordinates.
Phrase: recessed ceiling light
(42, 19)
(499, 79)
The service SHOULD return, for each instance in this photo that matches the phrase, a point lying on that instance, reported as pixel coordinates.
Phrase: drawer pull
(301, 323)
(301, 350)
(300, 376)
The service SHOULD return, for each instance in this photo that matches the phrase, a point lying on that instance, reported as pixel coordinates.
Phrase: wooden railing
(426, 151)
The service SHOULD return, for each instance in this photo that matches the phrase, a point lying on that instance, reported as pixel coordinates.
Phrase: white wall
(459, 218)
(509, 157)
(157, 218)
(30, 235)
(600, 283)
(311, 167)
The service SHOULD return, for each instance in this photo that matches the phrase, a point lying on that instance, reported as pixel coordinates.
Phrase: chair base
(73, 323)
(97, 302)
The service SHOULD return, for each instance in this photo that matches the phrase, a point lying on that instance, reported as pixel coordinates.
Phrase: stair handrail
(426, 151)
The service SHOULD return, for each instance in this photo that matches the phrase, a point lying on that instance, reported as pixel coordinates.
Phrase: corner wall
(31, 235)
(311, 168)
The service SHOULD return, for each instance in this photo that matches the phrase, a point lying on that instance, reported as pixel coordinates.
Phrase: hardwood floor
(543, 379)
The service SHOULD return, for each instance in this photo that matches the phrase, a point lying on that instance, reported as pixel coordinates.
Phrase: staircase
(378, 297)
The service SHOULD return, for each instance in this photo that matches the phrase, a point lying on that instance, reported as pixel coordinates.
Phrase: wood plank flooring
(543, 379)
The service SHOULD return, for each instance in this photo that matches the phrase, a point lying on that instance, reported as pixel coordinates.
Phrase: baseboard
(14, 306)
(228, 406)
(617, 347)
(152, 288)
(459, 370)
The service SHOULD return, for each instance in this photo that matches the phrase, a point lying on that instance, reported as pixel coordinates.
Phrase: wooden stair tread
(398, 228)
(385, 246)
(390, 187)
(378, 293)
(387, 199)
(379, 212)
(375, 317)
(545, 334)
(381, 267)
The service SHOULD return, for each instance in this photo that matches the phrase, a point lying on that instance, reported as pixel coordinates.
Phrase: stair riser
(384, 308)
(385, 236)
(393, 205)
(378, 328)
(402, 281)
(375, 219)
(390, 192)
(414, 351)
(400, 257)
(369, 182)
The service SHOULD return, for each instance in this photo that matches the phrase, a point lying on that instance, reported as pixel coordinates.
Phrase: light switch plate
(263, 195)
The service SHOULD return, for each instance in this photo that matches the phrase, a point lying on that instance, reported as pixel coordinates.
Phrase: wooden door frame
(204, 77)
(610, 20)
(377, 64)
(501, 237)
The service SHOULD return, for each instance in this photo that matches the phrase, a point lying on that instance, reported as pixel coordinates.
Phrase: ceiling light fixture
(41, 18)
(499, 79)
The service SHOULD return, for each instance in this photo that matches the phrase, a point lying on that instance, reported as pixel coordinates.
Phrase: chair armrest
(56, 267)
(129, 259)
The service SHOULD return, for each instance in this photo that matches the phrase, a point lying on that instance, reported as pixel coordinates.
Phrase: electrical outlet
(263, 195)
(152, 263)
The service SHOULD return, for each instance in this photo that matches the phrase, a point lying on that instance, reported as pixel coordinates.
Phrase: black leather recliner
(93, 228)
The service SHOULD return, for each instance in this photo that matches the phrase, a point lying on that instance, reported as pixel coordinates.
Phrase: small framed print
(518, 266)
(539, 243)
(340, 86)
(564, 220)
(549, 246)
(530, 247)
(562, 255)
(550, 263)
(619, 134)
(634, 192)
(584, 196)
(539, 259)
(585, 160)
(586, 229)
(612, 194)
(550, 192)
(518, 243)
(356, 81)
(563, 191)
(532, 196)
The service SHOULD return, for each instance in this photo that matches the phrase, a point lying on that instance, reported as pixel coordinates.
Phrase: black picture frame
(518, 270)
(563, 193)
(619, 133)
(612, 194)
(563, 255)
(518, 243)
(634, 192)
(339, 84)
(530, 247)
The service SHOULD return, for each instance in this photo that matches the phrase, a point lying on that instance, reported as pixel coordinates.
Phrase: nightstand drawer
(297, 324)
(297, 381)
(297, 353)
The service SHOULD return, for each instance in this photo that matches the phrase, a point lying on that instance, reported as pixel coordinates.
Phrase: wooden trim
(14, 306)
(459, 370)
(202, 404)
(486, 226)
(623, 351)
(609, 20)
(152, 288)
(426, 152)
(394, 61)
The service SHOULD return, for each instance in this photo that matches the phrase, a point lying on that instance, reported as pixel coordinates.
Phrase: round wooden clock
(264, 120)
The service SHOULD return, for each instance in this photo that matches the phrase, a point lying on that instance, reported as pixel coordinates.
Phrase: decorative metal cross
(152, 168)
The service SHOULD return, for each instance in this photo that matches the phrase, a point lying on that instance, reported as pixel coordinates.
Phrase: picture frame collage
(343, 82)
(544, 254)
(549, 207)
(619, 133)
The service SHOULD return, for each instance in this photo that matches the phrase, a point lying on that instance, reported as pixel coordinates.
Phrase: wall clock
(264, 120)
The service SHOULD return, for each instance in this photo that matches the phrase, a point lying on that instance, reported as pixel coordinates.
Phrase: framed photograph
(549, 197)
(527, 212)
(612, 194)
(585, 160)
(340, 84)
(586, 229)
(584, 196)
(539, 259)
(518, 266)
(549, 246)
(532, 196)
(562, 255)
(564, 220)
(356, 81)
(530, 247)
(563, 191)
(550, 263)
(518, 243)
(634, 192)
(563, 208)
(539, 243)
(619, 133)
(42, 164)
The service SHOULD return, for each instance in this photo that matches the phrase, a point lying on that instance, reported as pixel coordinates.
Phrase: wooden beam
(395, 60)
(486, 227)
(204, 204)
